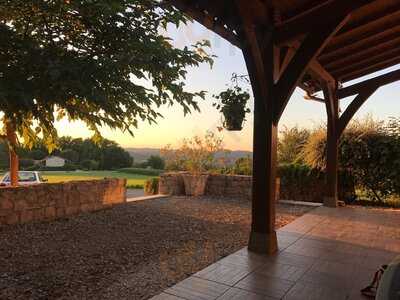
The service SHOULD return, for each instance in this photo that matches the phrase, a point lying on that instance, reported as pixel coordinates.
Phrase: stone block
(50, 213)
(11, 219)
(6, 203)
(38, 214)
(60, 212)
(26, 216)
(6, 212)
(72, 210)
(21, 204)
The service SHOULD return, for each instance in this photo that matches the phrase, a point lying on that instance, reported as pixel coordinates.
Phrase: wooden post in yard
(14, 161)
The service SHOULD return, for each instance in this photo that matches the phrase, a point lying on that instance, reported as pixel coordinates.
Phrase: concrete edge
(292, 202)
(143, 198)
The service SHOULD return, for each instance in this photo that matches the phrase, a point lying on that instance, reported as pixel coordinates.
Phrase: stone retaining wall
(57, 200)
(240, 186)
(217, 185)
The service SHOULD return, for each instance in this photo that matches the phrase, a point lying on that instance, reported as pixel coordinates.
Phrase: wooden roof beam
(370, 69)
(366, 30)
(363, 54)
(210, 22)
(373, 60)
(315, 69)
(366, 85)
(364, 16)
(322, 14)
(339, 51)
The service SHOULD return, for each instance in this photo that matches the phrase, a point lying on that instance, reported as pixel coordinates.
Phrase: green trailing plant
(232, 103)
(151, 186)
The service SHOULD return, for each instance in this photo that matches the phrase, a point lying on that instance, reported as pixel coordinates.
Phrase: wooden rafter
(322, 14)
(368, 61)
(363, 54)
(312, 45)
(209, 21)
(370, 14)
(334, 51)
(354, 106)
(370, 69)
(367, 30)
(366, 85)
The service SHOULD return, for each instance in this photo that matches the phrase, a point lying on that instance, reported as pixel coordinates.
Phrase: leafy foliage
(79, 153)
(291, 143)
(243, 166)
(232, 104)
(156, 162)
(368, 150)
(151, 186)
(196, 154)
(103, 62)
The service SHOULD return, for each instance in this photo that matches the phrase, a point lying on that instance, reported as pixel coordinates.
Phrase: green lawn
(133, 180)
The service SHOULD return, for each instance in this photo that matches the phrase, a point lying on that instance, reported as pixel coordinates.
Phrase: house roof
(368, 42)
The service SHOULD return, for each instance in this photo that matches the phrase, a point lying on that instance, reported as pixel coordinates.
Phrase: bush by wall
(151, 186)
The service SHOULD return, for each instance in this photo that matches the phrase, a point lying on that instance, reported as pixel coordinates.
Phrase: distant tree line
(79, 153)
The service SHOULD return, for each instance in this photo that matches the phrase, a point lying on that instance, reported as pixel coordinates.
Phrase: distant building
(54, 161)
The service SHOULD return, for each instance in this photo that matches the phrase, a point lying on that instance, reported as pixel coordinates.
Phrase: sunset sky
(174, 126)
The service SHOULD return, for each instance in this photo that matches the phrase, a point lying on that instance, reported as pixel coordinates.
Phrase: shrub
(151, 186)
(291, 143)
(26, 163)
(156, 162)
(243, 166)
(90, 164)
(369, 151)
(141, 171)
(197, 154)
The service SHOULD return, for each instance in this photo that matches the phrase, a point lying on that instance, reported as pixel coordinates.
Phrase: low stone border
(51, 201)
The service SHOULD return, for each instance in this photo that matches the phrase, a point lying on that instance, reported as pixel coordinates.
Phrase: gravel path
(132, 251)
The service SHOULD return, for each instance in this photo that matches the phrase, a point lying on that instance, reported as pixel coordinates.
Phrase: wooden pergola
(316, 45)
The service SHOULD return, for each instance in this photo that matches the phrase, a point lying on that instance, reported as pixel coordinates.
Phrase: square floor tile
(226, 274)
(195, 288)
(164, 296)
(239, 294)
(265, 285)
(282, 271)
(311, 291)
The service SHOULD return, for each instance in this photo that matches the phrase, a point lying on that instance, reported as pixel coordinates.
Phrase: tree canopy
(102, 62)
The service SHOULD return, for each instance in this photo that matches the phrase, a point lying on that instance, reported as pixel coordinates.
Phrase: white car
(25, 178)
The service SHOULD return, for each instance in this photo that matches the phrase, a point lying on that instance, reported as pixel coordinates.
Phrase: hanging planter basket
(232, 104)
(233, 124)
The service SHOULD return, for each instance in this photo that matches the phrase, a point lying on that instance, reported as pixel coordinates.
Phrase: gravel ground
(132, 251)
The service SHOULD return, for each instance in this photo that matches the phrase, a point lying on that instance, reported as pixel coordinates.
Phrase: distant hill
(142, 154)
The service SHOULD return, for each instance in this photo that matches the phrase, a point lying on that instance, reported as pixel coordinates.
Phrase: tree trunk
(14, 161)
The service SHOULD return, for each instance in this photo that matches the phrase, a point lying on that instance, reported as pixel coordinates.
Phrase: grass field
(133, 180)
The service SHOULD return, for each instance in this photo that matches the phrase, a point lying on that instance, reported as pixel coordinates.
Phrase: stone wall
(57, 200)
(240, 186)
(217, 185)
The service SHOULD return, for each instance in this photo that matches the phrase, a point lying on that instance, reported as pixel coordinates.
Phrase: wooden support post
(260, 62)
(14, 161)
(332, 109)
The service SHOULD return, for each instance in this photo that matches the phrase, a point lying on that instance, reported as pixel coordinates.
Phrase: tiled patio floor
(325, 254)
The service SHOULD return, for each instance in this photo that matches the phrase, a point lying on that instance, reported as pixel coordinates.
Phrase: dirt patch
(132, 251)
